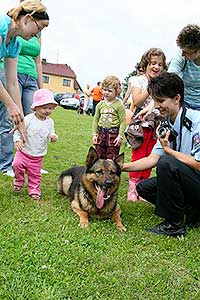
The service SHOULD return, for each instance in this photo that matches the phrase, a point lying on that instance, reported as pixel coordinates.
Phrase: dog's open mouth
(102, 195)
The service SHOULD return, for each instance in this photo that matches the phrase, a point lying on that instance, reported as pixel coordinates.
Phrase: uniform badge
(196, 140)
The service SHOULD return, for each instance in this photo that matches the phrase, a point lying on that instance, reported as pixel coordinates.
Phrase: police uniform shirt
(190, 141)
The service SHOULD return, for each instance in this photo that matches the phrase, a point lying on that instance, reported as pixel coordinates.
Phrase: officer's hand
(165, 141)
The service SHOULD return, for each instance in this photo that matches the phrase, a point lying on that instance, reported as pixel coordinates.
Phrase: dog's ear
(91, 157)
(119, 160)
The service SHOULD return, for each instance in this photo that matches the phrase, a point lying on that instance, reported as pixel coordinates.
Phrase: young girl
(29, 155)
(153, 62)
(109, 120)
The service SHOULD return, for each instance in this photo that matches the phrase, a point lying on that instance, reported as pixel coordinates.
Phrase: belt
(104, 129)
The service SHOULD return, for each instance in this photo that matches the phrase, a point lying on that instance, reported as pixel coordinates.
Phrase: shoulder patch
(196, 140)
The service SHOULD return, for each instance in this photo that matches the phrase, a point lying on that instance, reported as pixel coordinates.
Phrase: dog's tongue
(100, 198)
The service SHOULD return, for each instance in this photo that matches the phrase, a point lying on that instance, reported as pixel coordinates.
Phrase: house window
(45, 79)
(66, 82)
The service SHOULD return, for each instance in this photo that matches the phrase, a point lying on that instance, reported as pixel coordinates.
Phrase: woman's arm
(177, 64)
(127, 94)
(38, 64)
(139, 96)
(185, 158)
(141, 164)
(12, 86)
(11, 95)
(143, 114)
(39, 71)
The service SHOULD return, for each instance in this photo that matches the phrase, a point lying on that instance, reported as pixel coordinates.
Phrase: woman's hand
(14, 113)
(145, 112)
(165, 140)
(142, 115)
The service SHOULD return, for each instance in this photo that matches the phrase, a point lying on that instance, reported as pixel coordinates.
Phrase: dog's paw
(121, 228)
(83, 224)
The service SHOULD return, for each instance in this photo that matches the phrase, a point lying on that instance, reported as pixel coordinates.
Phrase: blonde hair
(114, 82)
(28, 6)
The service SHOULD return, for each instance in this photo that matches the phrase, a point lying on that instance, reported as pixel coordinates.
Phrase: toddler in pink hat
(29, 155)
(42, 97)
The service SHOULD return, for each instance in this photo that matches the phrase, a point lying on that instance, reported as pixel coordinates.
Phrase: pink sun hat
(42, 97)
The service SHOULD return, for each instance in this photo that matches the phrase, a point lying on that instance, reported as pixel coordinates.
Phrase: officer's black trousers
(175, 189)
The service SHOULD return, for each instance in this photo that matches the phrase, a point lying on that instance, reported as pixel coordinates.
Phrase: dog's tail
(63, 184)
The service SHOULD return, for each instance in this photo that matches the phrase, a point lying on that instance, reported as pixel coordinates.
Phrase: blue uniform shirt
(13, 47)
(190, 142)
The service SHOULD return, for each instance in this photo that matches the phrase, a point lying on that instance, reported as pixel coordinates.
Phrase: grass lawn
(45, 255)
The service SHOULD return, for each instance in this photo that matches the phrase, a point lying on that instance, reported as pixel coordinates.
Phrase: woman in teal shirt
(26, 21)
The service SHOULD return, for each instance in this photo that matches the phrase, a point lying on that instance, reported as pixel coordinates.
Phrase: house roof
(57, 69)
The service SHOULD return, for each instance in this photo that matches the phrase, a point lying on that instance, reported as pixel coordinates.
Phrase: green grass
(45, 255)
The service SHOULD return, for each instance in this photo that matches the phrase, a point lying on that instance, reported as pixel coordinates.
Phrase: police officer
(175, 191)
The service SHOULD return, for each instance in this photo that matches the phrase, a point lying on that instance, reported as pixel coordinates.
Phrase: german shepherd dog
(93, 188)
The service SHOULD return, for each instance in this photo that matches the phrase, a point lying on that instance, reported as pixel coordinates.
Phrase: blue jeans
(6, 138)
(28, 85)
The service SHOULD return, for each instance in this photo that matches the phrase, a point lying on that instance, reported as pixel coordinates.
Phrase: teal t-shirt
(1, 64)
(190, 73)
(13, 47)
(26, 60)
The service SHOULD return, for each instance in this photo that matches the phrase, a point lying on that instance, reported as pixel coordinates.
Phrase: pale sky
(108, 37)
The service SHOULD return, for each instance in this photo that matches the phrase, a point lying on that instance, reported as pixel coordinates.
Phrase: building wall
(56, 84)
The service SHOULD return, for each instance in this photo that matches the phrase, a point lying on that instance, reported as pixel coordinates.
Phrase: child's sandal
(35, 197)
(17, 188)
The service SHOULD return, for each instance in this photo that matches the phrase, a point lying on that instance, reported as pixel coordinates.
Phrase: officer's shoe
(166, 228)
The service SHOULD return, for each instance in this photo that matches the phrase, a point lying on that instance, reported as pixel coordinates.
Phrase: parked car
(70, 103)
(59, 96)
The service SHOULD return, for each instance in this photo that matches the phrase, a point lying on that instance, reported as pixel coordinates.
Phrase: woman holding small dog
(29, 155)
(109, 120)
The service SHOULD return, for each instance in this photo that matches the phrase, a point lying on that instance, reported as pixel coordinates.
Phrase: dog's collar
(88, 196)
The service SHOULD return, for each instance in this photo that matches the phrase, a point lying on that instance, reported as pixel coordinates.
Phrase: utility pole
(57, 56)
